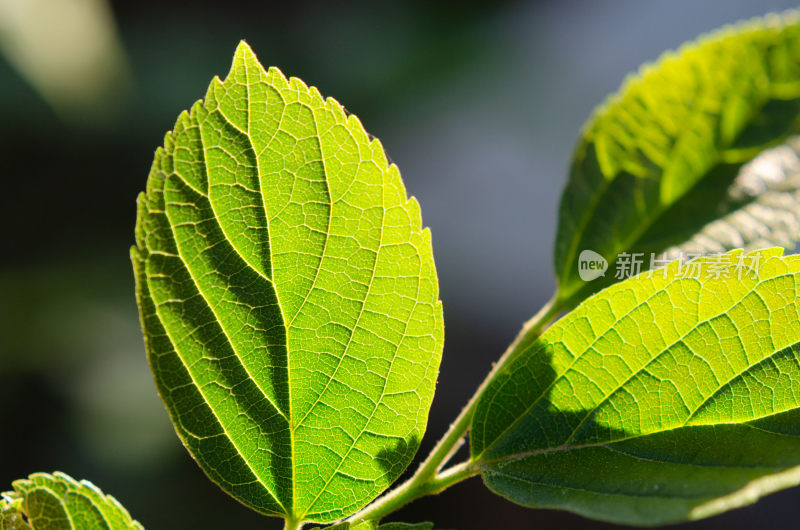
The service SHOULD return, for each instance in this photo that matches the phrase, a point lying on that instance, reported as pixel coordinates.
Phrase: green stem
(292, 524)
(412, 490)
(429, 479)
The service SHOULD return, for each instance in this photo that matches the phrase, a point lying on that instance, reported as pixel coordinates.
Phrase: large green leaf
(288, 297)
(670, 396)
(655, 163)
(58, 502)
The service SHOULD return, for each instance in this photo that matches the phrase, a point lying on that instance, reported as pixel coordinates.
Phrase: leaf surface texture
(59, 502)
(657, 162)
(673, 395)
(288, 296)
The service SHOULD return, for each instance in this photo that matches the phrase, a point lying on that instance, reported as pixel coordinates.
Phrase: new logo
(591, 265)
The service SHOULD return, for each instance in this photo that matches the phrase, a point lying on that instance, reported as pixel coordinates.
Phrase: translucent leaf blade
(59, 501)
(288, 296)
(654, 163)
(663, 398)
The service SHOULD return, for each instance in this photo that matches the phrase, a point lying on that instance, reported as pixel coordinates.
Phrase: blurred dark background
(478, 103)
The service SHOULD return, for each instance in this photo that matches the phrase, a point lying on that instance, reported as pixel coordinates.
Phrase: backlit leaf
(288, 297)
(673, 395)
(657, 162)
(59, 502)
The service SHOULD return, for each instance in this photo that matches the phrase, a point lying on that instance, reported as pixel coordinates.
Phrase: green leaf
(288, 297)
(669, 396)
(57, 501)
(11, 515)
(655, 163)
(760, 209)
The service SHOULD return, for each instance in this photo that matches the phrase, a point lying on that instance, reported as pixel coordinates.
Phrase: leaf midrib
(488, 464)
(290, 513)
(590, 491)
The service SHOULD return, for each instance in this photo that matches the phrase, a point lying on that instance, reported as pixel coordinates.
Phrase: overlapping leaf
(288, 297)
(57, 501)
(761, 208)
(670, 396)
(657, 162)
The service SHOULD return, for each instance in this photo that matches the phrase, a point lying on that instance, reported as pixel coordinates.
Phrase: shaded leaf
(288, 297)
(57, 501)
(761, 208)
(656, 161)
(670, 396)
